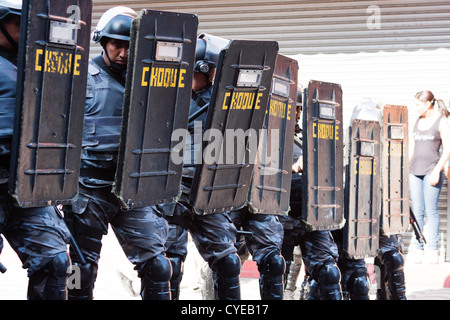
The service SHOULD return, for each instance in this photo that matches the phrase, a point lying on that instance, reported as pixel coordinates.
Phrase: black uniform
(38, 235)
(213, 234)
(142, 232)
(319, 251)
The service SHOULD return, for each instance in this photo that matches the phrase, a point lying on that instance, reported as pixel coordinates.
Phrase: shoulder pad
(93, 70)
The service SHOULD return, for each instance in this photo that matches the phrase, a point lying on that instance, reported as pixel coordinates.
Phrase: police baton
(2, 268)
(198, 113)
(417, 230)
(73, 243)
(244, 233)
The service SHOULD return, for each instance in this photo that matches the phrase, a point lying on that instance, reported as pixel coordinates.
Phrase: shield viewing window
(249, 78)
(61, 32)
(396, 133)
(326, 111)
(169, 51)
(366, 149)
(281, 87)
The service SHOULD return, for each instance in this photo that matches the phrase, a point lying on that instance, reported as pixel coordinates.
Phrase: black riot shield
(395, 170)
(52, 75)
(156, 103)
(323, 194)
(272, 174)
(235, 116)
(362, 190)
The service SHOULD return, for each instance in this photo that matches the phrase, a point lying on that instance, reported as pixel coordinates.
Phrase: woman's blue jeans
(425, 198)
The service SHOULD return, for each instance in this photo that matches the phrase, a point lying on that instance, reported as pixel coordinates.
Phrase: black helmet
(207, 52)
(115, 24)
(10, 7)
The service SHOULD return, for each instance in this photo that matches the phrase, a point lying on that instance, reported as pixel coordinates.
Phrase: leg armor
(207, 282)
(392, 276)
(177, 274)
(355, 279)
(226, 278)
(155, 279)
(310, 289)
(271, 276)
(358, 286)
(50, 282)
(83, 289)
(328, 279)
(291, 275)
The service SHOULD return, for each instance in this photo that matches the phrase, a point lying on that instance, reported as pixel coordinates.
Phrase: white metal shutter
(385, 50)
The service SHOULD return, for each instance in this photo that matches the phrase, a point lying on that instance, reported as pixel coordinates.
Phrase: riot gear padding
(271, 280)
(177, 275)
(359, 287)
(329, 278)
(115, 24)
(50, 283)
(226, 278)
(155, 277)
(88, 275)
(391, 266)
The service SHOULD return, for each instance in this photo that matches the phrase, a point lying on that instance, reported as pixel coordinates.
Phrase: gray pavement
(116, 276)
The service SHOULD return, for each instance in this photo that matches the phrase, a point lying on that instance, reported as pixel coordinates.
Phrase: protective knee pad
(177, 275)
(329, 278)
(273, 265)
(155, 279)
(228, 267)
(226, 278)
(50, 283)
(271, 277)
(394, 263)
(84, 277)
(359, 287)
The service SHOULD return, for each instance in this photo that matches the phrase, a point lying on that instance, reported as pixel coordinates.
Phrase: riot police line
(122, 164)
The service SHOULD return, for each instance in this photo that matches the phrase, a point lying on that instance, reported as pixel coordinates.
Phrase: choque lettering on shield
(280, 109)
(58, 62)
(365, 167)
(242, 100)
(163, 77)
(325, 131)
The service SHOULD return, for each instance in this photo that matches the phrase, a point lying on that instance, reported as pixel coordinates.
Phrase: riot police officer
(213, 234)
(389, 258)
(318, 249)
(264, 245)
(355, 276)
(38, 235)
(142, 232)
